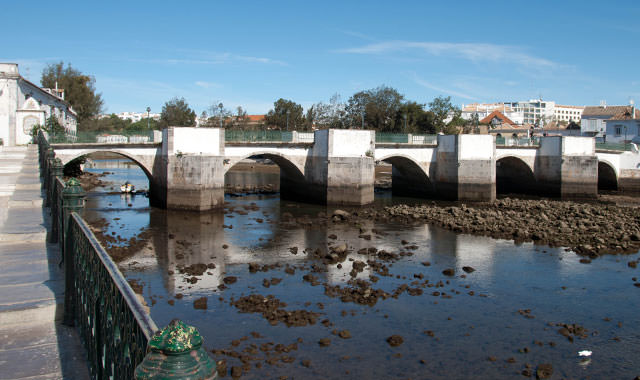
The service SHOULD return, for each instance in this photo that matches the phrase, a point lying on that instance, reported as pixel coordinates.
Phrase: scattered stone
(395, 340)
(200, 303)
(230, 280)
(448, 272)
(544, 371)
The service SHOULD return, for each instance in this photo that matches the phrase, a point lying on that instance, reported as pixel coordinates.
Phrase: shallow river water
(493, 323)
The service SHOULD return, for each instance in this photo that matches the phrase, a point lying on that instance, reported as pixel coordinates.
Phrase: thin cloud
(204, 84)
(475, 52)
(442, 90)
(356, 34)
(210, 58)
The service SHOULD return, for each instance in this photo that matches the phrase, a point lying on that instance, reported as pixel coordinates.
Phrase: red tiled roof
(614, 112)
(499, 115)
(255, 117)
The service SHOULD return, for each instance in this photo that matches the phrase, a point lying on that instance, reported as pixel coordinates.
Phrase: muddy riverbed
(402, 289)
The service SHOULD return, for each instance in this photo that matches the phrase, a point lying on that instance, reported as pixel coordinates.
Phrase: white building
(594, 119)
(24, 104)
(534, 112)
(568, 113)
(137, 116)
(623, 126)
(485, 109)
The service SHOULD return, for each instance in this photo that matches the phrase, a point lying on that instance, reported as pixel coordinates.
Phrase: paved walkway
(33, 342)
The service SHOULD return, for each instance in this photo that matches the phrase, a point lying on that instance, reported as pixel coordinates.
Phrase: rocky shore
(589, 229)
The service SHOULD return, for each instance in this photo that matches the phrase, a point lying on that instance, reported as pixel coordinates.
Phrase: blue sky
(243, 53)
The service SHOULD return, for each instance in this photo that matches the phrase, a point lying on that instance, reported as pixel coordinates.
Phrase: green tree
(52, 126)
(331, 115)
(141, 125)
(219, 112)
(284, 110)
(442, 110)
(380, 106)
(111, 123)
(79, 90)
(176, 113)
(417, 119)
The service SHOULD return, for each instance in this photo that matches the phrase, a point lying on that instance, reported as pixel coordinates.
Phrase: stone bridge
(186, 170)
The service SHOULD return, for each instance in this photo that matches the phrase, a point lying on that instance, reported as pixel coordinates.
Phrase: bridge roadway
(186, 170)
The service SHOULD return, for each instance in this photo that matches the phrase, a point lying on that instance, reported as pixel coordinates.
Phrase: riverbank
(589, 229)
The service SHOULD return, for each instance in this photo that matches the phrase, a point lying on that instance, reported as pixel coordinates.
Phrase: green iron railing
(231, 135)
(613, 146)
(404, 138)
(112, 322)
(105, 137)
(397, 138)
(114, 326)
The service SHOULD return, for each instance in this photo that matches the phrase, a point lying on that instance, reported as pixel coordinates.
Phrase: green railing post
(176, 352)
(56, 171)
(50, 155)
(72, 201)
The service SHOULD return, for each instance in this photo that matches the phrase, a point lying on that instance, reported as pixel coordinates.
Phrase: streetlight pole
(625, 137)
(362, 115)
(221, 107)
(288, 112)
(148, 110)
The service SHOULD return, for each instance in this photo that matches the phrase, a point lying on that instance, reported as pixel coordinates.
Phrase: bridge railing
(232, 135)
(85, 137)
(517, 141)
(115, 327)
(613, 146)
(405, 138)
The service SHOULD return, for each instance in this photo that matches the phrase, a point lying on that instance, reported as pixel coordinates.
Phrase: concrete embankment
(33, 342)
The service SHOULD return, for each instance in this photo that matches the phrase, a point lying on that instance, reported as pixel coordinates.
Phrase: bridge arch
(409, 178)
(514, 175)
(146, 167)
(607, 176)
(287, 165)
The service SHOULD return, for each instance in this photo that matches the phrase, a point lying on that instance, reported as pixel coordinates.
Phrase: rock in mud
(544, 371)
(200, 303)
(324, 342)
(395, 340)
(230, 280)
(469, 269)
(448, 272)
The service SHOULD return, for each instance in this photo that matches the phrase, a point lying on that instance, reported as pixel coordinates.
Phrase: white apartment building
(568, 113)
(534, 112)
(485, 109)
(24, 104)
(133, 116)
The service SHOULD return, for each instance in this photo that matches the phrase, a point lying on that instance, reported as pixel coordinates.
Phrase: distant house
(24, 104)
(496, 119)
(623, 126)
(594, 118)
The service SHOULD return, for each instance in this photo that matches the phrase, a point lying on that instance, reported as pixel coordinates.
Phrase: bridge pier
(567, 167)
(192, 169)
(339, 171)
(466, 167)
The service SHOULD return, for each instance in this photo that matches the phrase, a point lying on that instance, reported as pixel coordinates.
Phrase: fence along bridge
(186, 170)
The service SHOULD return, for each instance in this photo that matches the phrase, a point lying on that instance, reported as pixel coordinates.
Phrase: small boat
(127, 187)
